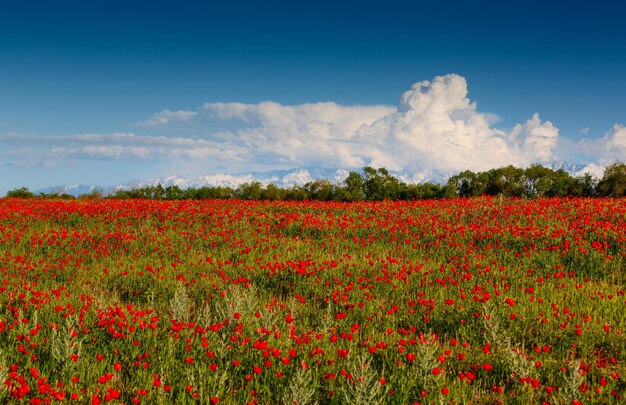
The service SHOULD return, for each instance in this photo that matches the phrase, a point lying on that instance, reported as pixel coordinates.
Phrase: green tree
(587, 185)
(157, 192)
(613, 182)
(21, 192)
(423, 191)
(273, 192)
(120, 194)
(209, 193)
(380, 184)
(321, 190)
(250, 191)
(354, 187)
(563, 184)
(296, 193)
(537, 180)
(507, 180)
(174, 193)
(93, 195)
(463, 183)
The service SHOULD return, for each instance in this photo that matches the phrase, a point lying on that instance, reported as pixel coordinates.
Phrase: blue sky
(85, 87)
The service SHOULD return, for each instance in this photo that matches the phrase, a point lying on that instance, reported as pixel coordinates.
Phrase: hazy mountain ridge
(288, 178)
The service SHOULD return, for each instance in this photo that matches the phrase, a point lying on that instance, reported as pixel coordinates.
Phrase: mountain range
(288, 178)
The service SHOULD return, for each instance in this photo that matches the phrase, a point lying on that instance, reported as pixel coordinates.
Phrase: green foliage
(354, 187)
(249, 191)
(613, 183)
(22, 192)
(533, 182)
(380, 185)
(94, 195)
(425, 191)
(372, 184)
(321, 190)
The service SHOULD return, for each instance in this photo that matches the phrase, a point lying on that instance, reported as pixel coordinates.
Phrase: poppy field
(482, 300)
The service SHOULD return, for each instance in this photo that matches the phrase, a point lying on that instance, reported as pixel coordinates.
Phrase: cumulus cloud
(536, 138)
(434, 126)
(604, 150)
(438, 127)
(320, 133)
(343, 119)
(611, 147)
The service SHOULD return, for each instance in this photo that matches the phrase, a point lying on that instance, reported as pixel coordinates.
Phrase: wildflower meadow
(468, 300)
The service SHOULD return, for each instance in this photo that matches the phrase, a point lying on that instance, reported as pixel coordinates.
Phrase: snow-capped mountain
(289, 178)
(71, 189)
(558, 164)
(593, 169)
(431, 176)
(282, 178)
(577, 169)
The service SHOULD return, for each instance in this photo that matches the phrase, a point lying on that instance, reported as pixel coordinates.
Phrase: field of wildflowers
(482, 300)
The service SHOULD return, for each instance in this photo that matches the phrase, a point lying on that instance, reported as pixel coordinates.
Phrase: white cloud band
(435, 126)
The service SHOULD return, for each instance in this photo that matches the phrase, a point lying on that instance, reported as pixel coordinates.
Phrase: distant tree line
(378, 184)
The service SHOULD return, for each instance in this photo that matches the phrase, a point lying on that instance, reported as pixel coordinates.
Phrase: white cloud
(34, 150)
(167, 117)
(612, 146)
(271, 114)
(116, 151)
(124, 139)
(435, 126)
(438, 127)
(537, 139)
(609, 148)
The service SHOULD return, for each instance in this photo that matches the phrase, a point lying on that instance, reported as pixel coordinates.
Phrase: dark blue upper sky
(99, 66)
